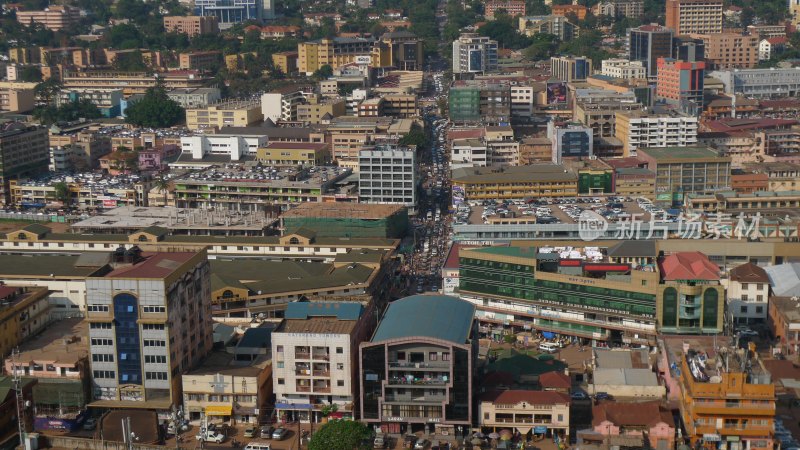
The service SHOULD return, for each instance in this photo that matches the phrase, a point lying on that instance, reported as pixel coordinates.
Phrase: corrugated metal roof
(434, 316)
(785, 279)
(341, 310)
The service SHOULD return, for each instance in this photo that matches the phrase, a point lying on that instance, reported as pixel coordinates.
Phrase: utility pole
(20, 398)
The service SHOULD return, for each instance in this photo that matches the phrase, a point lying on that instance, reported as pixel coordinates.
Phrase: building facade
(570, 69)
(690, 297)
(683, 170)
(23, 151)
(233, 113)
(474, 54)
(540, 412)
(647, 43)
(191, 25)
(680, 82)
(388, 175)
(694, 16)
(747, 288)
(640, 129)
(731, 51)
(760, 83)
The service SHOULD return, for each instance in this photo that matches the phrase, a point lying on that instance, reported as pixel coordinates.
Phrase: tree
(414, 137)
(61, 192)
(162, 184)
(155, 110)
(130, 62)
(323, 73)
(67, 112)
(31, 74)
(46, 91)
(340, 435)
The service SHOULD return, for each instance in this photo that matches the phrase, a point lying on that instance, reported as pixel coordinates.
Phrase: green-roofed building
(417, 371)
(686, 170)
(345, 220)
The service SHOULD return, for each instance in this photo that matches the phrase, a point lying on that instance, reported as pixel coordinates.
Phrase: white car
(211, 436)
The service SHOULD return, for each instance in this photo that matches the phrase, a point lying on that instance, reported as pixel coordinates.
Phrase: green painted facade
(464, 104)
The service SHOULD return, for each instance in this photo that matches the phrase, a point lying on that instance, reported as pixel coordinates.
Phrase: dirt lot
(7, 225)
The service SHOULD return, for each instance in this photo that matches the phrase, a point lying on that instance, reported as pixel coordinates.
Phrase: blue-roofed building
(417, 371)
(314, 351)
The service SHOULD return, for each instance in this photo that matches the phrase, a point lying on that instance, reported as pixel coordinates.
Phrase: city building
(388, 174)
(794, 12)
(336, 52)
(747, 288)
(640, 129)
(77, 148)
(315, 349)
(107, 100)
(349, 135)
(474, 54)
(559, 26)
(24, 151)
(524, 411)
(625, 373)
(282, 103)
(417, 371)
(570, 68)
(132, 82)
(16, 100)
(234, 144)
(344, 219)
(694, 16)
(726, 397)
(571, 140)
(680, 82)
(520, 183)
(191, 25)
(208, 60)
(688, 48)
(469, 153)
(770, 47)
(784, 323)
(149, 322)
(623, 68)
(478, 101)
(23, 312)
(279, 31)
(286, 62)
(629, 424)
(731, 51)
(305, 154)
(635, 182)
(601, 115)
(226, 113)
(760, 83)
(319, 110)
(227, 387)
(195, 98)
(57, 359)
(684, 170)
(647, 43)
(404, 50)
(632, 9)
(54, 17)
(511, 7)
(690, 297)
(230, 13)
(580, 11)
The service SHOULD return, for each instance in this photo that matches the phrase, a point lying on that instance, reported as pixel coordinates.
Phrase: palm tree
(163, 185)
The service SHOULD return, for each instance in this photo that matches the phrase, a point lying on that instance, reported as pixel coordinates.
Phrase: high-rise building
(336, 52)
(474, 54)
(694, 16)
(637, 129)
(647, 43)
(23, 151)
(512, 7)
(687, 48)
(55, 18)
(731, 51)
(378, 165)
(230, 12)
(680, 81)
(572, 141)
(570, 68)
(149, 321)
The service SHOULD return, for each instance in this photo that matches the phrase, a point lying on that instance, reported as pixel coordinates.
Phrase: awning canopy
(215, 410)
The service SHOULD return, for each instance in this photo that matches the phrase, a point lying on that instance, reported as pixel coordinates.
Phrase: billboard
(556, 93)
(363, 59)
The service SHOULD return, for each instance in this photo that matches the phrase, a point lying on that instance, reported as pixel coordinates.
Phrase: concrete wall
(629, 391)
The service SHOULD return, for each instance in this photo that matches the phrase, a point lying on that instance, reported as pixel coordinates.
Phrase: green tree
(31, 74)
(340, 435)
(61, 192)
(414, 137)
(162, 184)
(155, 110)
(323, 73)
(130, 62)
(67, 112)
(46, 91)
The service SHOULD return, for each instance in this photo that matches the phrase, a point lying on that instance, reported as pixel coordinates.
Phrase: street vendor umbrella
(478, 434)
(476, 441)
(506, 435)
(494, 436)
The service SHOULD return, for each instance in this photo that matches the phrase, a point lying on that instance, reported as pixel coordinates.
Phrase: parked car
(380, 441)
(421, 444)
(266, 432)
(579, 395)
(250, 432)
(90, 424)
(211, 436)
(279, 434)
(602, 396)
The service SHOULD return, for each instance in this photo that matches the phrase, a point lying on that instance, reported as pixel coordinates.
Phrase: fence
(89, 444)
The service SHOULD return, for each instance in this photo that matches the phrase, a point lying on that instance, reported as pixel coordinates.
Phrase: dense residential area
(413, 224)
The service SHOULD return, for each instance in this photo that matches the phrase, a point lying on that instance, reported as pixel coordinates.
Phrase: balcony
(321, 373)
(302, 372)
(322, 389)
(417, 382)
(321, 356)
(302, 355)
(303, 389)
(395, 365)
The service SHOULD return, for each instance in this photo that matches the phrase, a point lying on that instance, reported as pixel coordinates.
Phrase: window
(153, 326)
(339, 350)
(98, 341)
(279, 349)
(743, 309)
(759, 310)
(102, 357)
(104, 374)
(445, 356)
(560, 417)
(154, 309)
(97, 308)
(760, 298)
(340, 383)
(280, 364)
(486, 416)
(155, 359)
(401, 356)
(100, 325)
(433, 356)
(760, 286)
(744, 286)
(155, 376)
(281, 381)
(339, 366)
(155, 343)
(744, 297)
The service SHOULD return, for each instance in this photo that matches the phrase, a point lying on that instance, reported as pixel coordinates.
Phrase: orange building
(679, 80)
(747, 183)
(563, 10)
(512, 8)
(200, 60)
(191, 25)
(694, 16)
(728, 400)
(53, 18)
(731, 51)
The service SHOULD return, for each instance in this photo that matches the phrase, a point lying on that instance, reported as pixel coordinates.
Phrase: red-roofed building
(749, 124)
(279, 31)
(768, 48)
(747, 289)
(629, 424)
(690, 298)
(555, 381)
(539, 412)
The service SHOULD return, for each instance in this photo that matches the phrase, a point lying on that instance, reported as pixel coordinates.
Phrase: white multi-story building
(281, 104)
(388, 174)
(760, 83)
(149, 321)
(468, 153)
(195, 97)
(639, 129)
(522, 100)
(623, 68)
(747, 289)
(313, 354)
(474, 54)
(234, 145)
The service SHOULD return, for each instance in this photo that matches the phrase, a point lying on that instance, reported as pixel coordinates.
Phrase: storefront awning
(218, 410)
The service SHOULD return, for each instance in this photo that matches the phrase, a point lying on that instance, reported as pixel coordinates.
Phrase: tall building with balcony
(694, 16)
(727, 399)
(417, 371)
(680, 82)
(474, 54)
(690, 296)
(647, 43)
(649, 129)
(54, 18)
(731, 50)
(388, 175)
(149, 322)
(315, 351)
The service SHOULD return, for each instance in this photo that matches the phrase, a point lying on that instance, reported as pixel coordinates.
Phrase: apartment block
(623, 68)
(683, 170)
(335, 52)
(387, 175)
(319, 110)
(563, 10)
(680, 82)
(16, 100)
(200, 60)
(474, 54)
(556, 25)
(694, 16)
(55, 17)
(23, 151)
(632, 9)
(570, 68)
(512, 7)
(282, 103)
(191, 25)
(315, 350)
(747, 294)
(572, 140)
(149, 322)
(285, 61)
(731, 51)
(132, 82)
(639, 129)
(191, 98)
(231, 113)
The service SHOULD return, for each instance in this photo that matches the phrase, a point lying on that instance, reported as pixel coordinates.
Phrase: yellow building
(318, 110)
(236, 62)
(233, 113)
(285, 61)
(510, 183)
(294, 154)
(336, 52)
(23, 313)
(131, 82)
(24, 55)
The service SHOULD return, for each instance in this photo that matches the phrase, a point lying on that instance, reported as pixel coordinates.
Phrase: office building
(727, 398)
(691, 299)
(579, 11)
(472, 101)
(596, 109)
(731, 51)
(647, 43)
(524, 411)
(16, 100)
(694, 16)
(747, 288)
(191, 25)
(388, 174)
(315, 349)
(521, 182)
(474, 54)
(234, 146)
(306, 154)
(688, 49)
(318, 110)
(683, 170)
(639, 129)
(149, 322)
(680, 82)
(54, 17)
(632, 9)
(511, 7)
(417, 371)
(282, 103)
(23, 312)
(131, 82)
(623, 68)
(468, 153)
(336, 52)
(286, 62)
(194, 98)
(200, 60)
(559, 26)
(227, 113)
(23, 152)
(572, 141)
(760, 83)
(350, 135)
(403, 50)
(570, 68)
(107, 100)
(230, 13)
